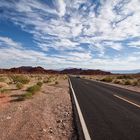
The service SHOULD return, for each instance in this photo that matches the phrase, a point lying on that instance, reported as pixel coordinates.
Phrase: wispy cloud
(135, 44)
(60, 7)
(77, 27)
(8, 42)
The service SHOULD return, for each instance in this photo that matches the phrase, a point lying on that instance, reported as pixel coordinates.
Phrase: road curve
(110, 113)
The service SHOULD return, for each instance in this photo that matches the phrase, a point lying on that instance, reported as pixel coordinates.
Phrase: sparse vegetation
(31, 91)
(2, 79)
(45, 81)
(135, 83)
(117, 81)
(12, 82)
(19, 85)
(127, 82)
(56, 82)
(20, 79)
(65, 77)
(39, 78)
(4, 90)
(107, 79)
(35, 88)
(124, 77)
(40, 84)
(27, 95)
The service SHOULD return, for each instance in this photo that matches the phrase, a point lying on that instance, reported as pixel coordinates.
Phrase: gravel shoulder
(47, 116)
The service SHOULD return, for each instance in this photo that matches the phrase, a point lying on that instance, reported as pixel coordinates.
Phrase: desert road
(106, 112)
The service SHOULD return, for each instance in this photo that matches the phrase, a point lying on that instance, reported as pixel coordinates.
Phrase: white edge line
(127, 101)
(83, 124)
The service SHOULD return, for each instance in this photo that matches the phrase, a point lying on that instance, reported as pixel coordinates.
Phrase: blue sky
(94, 34)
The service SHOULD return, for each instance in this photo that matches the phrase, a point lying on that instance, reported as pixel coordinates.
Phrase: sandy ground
(47, 116)
(129, 87)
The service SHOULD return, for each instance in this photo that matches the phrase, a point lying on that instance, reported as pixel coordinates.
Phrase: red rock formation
(40, 70)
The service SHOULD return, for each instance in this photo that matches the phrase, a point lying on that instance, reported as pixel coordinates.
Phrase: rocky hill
(84, 72)
(40, 70)
(27, 70)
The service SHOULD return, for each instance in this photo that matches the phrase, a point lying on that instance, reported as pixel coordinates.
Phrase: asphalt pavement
(109, 112)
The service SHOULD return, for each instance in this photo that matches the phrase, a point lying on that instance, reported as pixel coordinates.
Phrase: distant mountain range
(76, 71)
(126, 71)
(40, 70)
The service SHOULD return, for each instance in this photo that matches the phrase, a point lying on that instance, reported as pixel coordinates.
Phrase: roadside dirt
(47, 116)
(129, 87)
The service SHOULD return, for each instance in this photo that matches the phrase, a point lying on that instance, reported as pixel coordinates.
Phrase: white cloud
(8, 42)
(61, 7)
(65, 27)
(80, 56)
(113, 45)
(135, 44)
(65, 43)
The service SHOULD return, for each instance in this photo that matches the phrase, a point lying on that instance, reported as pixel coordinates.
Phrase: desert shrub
(124, 77)
(20, 79)
(49, 80)
(40, 84)
(107, 79)
(39, 78)
(45, 81)
(56, 82)
(4, 90)
(117, 82)
(19, 85)
(2, 79)
(22, 97)
(10, 83)
(32, 76)
(33, 89)
(65, 77)
(27, 95)
(135, 83)
(127, 82)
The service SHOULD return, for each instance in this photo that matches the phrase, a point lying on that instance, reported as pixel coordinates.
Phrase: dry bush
(117, 81)
(135, 83)
(27, 95)
(39, 78)
(49, 80)
(107, 79)
(35, 88)
(125, 77)
(56, 82)
(2, 79)
(20, 79)
(19, 85)
(40, 84)
(127, 82)
(65, 77)
(4, 90)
